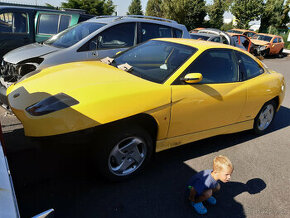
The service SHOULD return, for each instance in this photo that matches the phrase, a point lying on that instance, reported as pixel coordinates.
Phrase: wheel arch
(147, 122)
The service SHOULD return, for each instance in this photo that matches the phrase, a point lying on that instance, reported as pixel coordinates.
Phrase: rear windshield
(193, 36)
(262, 37)
(235, 31)
(73, 34)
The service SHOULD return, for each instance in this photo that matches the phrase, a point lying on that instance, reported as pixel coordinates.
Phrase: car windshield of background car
(263, 38)
(155, 60)
(73, 34)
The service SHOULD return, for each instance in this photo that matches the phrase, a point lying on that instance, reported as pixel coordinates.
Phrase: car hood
(28, 51)
(104, 94)
(259, 42)
(80, 80)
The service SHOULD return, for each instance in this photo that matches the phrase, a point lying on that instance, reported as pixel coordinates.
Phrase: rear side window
(150, 31)
(64, 22)
(48, 23)
(177, 33)
(13, 23)
(216, 39)
(216, 66)
(225, 41)
(119, 36)
(249, 67)
(280, 40)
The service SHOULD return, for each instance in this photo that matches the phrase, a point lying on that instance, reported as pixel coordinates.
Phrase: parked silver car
(93, 39)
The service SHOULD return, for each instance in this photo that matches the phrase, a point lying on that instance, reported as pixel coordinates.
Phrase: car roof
(133, 18)
(244, 30)
(265, 34)
(204, 34)
(28, 8)
(199, 44)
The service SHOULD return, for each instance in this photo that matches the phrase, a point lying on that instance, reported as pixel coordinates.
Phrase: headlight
(51, 104)
(261, 48)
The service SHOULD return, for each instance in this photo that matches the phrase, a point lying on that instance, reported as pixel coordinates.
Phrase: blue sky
(121, 5)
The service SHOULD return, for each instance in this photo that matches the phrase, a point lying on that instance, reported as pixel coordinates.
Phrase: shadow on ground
(61, 177)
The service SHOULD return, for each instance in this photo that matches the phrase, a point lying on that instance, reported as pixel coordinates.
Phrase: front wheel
(124, 152)
(265, 117)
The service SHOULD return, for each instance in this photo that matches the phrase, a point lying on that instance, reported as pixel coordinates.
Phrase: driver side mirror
(192, 78)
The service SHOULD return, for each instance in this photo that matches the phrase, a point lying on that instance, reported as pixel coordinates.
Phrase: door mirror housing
(192, 78)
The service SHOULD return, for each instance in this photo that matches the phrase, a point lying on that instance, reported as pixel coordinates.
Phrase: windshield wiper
(126, 67)
(107, 60)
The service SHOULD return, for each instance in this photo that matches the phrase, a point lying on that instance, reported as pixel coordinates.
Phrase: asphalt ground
(61, 177)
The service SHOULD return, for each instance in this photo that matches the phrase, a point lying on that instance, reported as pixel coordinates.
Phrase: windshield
(263, 37)
(154, 60)
(235, 31)
(194, 36)
(73, 34)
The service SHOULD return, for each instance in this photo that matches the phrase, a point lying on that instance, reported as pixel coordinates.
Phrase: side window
(150, 31)
(280, 40)
(275, 40)
(250, 68)
(64, 22)
(177, 33)
(13, 23)
(245, 42)
(216, 39)
(236, 39)
(225, 41)
(119, 36)
(48, 23)
(216, 66)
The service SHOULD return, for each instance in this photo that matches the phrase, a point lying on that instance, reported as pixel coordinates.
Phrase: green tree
(154, 8)
(216, 13)
(271, 16)
(95, 7)
(246, 11)
(50, 6)
(135, 8)
(285, 15)
(191, 13)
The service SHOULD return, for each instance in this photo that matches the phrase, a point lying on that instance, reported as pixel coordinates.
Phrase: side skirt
(184, 139)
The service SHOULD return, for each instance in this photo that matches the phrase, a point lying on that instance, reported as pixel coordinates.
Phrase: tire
(265, 53)
(280, 54)
(124, 152)
(265, 117)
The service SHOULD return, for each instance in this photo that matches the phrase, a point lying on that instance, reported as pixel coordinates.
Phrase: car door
(275, 46)
(50, 23)
(214, 102)
(257, 91)
(14, 29)
(110, 41)
(280, 44)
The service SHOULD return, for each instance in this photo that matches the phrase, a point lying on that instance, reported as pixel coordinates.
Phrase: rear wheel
(124, 152)
(265, 117)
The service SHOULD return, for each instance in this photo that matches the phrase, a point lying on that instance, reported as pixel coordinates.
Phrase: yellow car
(155, 96)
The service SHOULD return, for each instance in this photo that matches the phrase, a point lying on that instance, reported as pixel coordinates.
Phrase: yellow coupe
(155, 96)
